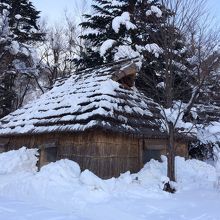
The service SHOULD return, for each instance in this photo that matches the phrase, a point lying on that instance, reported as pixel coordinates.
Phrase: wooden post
(41, 157)
(140, 149)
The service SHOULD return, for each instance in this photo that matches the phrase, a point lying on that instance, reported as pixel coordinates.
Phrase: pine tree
(23, 19)
(18, 29)
(130, 28)
(129, 24)
(98, 29)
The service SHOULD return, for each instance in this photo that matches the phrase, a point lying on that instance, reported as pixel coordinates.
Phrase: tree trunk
(171, 154)
(170, 160)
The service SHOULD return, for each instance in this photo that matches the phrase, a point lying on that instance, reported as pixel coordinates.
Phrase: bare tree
(186, 72)
(201, 41)
(61, 47)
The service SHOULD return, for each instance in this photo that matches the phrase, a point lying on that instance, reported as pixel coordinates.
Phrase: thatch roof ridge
(113, 66)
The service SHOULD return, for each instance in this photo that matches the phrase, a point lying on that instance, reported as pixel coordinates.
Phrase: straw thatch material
(87, 100)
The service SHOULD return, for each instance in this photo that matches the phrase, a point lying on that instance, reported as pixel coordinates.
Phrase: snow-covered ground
(20, 210)
(61, 191)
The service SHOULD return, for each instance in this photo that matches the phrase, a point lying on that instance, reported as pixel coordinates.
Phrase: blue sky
(215, 8)
(54, 9)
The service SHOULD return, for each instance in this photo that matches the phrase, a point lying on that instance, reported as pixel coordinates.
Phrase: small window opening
(51, 154)
(47, 153)
(151, 154)
(127, 81)
(3, 144)
(126, 75)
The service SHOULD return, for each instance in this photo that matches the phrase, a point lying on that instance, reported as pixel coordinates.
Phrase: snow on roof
(88, 99)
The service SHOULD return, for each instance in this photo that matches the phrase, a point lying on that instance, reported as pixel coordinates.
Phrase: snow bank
(63, 184)
(90, 179)
(18, 160)
(152, 175)
(194, 173)
(189, 174)
(60, 172)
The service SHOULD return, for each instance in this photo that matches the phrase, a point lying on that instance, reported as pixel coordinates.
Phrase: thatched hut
(96, 118)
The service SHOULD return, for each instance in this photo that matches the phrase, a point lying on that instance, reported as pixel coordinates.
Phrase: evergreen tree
(130, 25)
(98, 29)
(18, 29)
(131, 28)
(22, 20)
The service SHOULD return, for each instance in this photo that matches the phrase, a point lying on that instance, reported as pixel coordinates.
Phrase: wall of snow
(63, 184)
(22, 160)
(189, 173)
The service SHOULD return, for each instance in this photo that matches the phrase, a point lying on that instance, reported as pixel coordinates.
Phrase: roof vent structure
(126, 75)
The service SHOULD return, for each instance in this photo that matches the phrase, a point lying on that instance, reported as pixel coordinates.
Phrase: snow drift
(63, 183)
(22, 160)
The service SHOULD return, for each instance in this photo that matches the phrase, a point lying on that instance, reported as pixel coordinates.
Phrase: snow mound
(90, 179)
(60, 172)
(189, 174)
(152, 174)
(22, 160)
(63, 184)
(194, 172)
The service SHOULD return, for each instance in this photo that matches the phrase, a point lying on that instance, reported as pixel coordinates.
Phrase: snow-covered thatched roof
(93, 98)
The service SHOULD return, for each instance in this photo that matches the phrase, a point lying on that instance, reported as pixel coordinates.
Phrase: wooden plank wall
(103, 153)
(181, 148)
